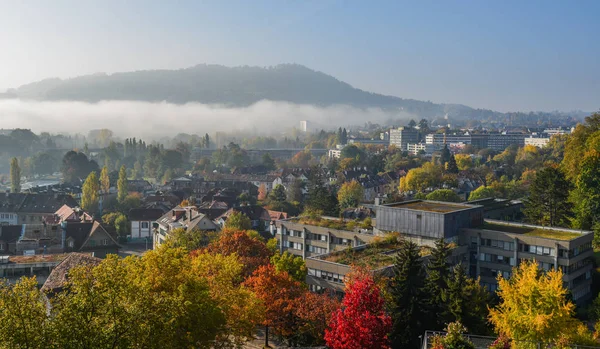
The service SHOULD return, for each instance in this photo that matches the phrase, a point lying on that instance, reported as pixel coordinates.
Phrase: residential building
(12, 268)
(402, 136)
(187, 218)
(486, 247)
(25, 208)
(58, 278)
(141, 220)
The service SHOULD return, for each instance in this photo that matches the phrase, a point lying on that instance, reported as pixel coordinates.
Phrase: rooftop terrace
(37, 258)
(375, 255)
(531, 230)
(430, 206)
(333, 223)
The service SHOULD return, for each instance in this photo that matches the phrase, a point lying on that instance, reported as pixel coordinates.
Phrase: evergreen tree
(89, 193)
(278, 193)
(436, 284)
(412, 123)
(15, 176)
(344, 139)
(122, 185)
(548, 202)
(451, 166)
(407, 295)
(206, 141)
(466, 301)
(445, 155)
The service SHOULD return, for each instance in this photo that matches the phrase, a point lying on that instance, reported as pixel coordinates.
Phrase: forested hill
(235, 86)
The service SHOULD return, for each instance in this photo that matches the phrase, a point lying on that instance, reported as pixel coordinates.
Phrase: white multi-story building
(416, 148)
(539, 142)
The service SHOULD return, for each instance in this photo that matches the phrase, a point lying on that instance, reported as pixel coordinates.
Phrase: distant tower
(304, 126)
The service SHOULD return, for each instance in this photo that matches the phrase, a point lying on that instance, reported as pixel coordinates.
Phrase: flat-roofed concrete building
(401, 136)
(485, 247)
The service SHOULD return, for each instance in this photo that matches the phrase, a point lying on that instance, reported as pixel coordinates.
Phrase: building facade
(401, 136)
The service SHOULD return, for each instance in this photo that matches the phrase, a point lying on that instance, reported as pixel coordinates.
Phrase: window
(144, 225)
(1, 246)
(92, 243)
(105, 242)
(71, 244)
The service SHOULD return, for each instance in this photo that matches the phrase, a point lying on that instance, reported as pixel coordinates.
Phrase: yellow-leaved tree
(534, 308)
(243, 311)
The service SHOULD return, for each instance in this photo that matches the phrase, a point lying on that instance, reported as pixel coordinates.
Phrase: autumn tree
(262, 192)
(482, 192)
(421, 178)
(189, 240)
(407, 297)
(89, 193)
(447, 195)
(15, 176)
(24, 321)
(548, 200)
(463, 161)
(293, 265)
(238, 221)
(251, 251)
(104, 181)
(122, 188)
(242, 309)
(350, 194)
(278, 292)
(533, 305)
(314, 312)
(363, 322)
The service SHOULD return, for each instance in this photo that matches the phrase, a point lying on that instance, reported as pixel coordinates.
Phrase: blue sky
(502, 55)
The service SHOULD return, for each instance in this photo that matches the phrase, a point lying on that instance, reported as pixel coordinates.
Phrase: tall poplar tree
(15, 176)
(122, 185)
(89, 193)
(104, 180)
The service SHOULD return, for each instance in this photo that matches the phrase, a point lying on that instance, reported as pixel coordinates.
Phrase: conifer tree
(436, 283)
(407, 294)
(451, 166)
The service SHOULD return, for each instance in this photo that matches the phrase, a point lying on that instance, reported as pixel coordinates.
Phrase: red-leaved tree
(363, 322)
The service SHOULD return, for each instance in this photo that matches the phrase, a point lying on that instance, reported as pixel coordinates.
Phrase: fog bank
(156, 120)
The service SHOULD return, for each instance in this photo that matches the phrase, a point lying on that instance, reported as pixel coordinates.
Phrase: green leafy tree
(293, 265)
(138, 171)
(122, 225)
(122, 189)
(438, 271)
(15, 176)
(483, 192)
(294, 193)
(238, 221)
(278, 193)
(586, 196)
(407, 297)
(447, 195)
(89, 193)
(548, 201)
